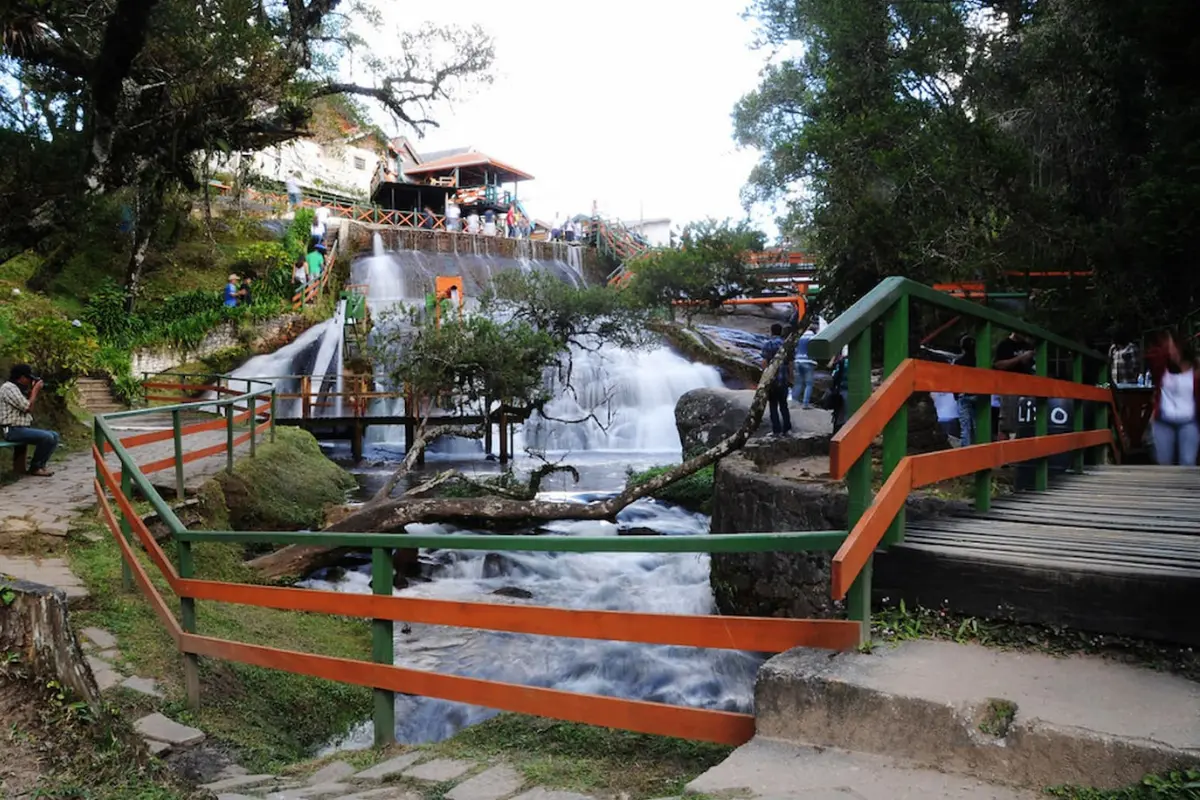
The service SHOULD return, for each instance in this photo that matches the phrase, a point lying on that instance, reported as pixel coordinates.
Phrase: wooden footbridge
(344, 410)
(1105, 547)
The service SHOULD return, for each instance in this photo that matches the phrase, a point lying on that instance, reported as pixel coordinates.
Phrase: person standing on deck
(805, 368)
(966, 402)
(489, 223)
(1013, 354)
(1176, 400)
(17, 398)
(777, 392)
(473, 222)
(453, 216)
(510, 222)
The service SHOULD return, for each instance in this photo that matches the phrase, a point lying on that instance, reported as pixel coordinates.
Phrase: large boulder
(704, 417)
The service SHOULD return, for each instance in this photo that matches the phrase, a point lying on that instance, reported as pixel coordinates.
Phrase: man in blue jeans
(17, 398)
(805, 369)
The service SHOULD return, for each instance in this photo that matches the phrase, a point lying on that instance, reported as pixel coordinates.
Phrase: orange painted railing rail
(878, 520)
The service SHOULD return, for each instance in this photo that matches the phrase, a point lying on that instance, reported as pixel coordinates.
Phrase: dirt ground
(22, 741)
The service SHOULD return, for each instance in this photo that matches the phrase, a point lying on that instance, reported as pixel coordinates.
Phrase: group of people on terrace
(512, 224)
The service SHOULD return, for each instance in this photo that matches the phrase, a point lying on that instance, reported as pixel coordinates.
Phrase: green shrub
(36, 333)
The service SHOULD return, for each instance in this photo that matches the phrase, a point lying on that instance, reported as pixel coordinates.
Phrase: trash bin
(1062, 420)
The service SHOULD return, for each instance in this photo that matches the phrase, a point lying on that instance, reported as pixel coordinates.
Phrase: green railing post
(253, 425)
(178, 431)
(272, 415)
(1077, 411)
(229, 439)
(126, 526)
(1041, 423)
(187, 613)
(858, 479)
(983, 416)
(1100, 452)
(895, 435)
(383, 647)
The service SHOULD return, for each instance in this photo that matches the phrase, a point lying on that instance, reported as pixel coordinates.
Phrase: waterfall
(632, 394)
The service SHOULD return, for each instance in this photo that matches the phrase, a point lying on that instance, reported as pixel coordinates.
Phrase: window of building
(360, 163)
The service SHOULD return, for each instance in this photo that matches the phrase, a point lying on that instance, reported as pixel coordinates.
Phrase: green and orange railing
(115, 488)
(878, 520)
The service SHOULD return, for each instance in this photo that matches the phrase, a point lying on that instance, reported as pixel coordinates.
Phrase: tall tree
(950, 139)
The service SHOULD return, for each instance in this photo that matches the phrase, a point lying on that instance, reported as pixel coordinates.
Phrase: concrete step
(769, 768)
(1022, 719)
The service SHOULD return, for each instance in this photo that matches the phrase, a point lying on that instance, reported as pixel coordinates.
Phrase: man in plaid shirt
(17, 397)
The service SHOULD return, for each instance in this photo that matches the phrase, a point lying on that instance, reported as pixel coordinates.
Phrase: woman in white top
(472, 223)
(1176, 398)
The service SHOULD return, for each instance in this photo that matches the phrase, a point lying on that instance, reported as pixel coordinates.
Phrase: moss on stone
(288, 486)
(695, 492)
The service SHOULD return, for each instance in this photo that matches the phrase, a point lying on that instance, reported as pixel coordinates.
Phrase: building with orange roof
(407, 180)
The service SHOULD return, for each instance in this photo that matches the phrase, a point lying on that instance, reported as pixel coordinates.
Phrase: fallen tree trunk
(387, 515)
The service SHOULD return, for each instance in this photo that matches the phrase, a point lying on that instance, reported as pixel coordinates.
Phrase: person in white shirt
(472, 223)
(1176, 399)
(453, 215)
(318, 230)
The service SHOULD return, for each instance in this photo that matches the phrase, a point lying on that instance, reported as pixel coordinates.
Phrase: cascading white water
(631, 394)
(328, 366)
(291, 359)
(660, 583)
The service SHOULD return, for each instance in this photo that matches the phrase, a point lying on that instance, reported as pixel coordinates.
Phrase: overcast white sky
(626, 102)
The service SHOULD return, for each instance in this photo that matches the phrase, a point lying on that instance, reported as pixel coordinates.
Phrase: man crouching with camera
(17, 398)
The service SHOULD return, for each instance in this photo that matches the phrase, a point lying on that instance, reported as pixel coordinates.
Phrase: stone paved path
(409, 776)
(47, 505)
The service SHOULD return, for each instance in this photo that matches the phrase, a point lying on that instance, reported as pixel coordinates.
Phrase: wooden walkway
(1115, 550)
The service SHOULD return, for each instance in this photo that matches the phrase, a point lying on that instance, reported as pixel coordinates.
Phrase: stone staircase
(96, 396)
(937, 720)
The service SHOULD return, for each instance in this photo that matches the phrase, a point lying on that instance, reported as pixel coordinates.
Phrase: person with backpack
(779, 389)
(805, 368)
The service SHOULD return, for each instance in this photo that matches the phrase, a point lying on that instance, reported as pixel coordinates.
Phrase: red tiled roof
(465, 160)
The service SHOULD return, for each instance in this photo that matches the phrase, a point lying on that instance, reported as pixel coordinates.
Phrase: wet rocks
(514, 591)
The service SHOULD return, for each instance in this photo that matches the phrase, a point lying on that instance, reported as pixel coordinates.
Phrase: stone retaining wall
(266, 337)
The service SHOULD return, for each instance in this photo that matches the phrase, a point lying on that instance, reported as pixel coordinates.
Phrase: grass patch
(1182, 785)
(583, 758)
(998, 717)
(901, 623)
(272, 718)
(695, 492)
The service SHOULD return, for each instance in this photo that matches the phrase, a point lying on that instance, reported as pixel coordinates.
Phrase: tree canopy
(709, 267)
(964, 139)
(99, 96)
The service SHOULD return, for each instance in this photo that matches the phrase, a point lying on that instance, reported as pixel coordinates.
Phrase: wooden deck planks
(1115, 550)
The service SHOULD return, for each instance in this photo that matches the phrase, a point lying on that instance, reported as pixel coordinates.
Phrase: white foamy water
(674, 583)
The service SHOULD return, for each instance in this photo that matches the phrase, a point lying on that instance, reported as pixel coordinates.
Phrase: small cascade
(632, 395)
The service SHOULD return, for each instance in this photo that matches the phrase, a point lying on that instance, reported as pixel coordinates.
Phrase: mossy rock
(288, 486)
